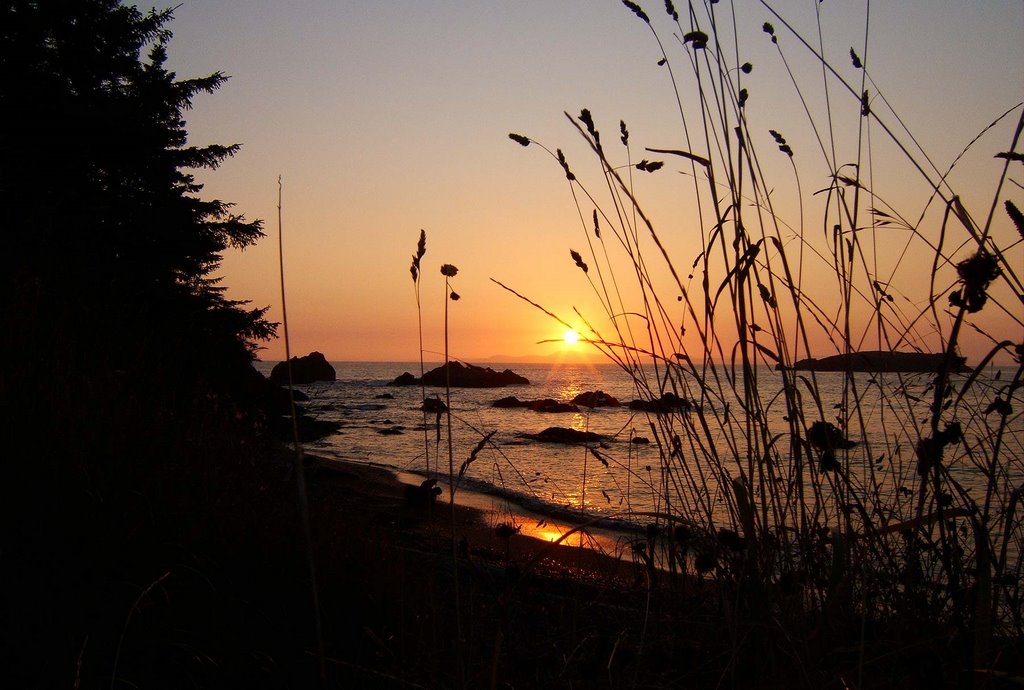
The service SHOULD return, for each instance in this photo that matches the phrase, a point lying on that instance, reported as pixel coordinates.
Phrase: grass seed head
(976, 273)
(698, 38)
(649, 166)
(1016, 216)
(579, 260)
(565, 165)
(635, 9)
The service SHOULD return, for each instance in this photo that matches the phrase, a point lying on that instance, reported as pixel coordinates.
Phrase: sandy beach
(402, 604)
(345, 495)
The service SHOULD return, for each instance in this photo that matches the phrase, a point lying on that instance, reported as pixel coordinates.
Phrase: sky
(385, 118)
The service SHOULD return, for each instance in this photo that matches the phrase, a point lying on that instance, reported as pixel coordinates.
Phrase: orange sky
(385, 118)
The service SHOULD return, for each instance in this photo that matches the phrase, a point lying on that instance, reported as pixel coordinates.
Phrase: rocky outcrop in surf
(543, 405)
(596, 399)
(668, 402)
(558, 434)
(308, 369)
(459, 375)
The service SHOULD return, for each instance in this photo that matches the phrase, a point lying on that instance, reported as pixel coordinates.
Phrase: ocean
(384, 425)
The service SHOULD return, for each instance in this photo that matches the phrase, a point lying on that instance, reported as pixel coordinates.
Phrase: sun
(570, 337)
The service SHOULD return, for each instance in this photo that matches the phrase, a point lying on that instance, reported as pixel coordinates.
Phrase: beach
(406, 604)
(349, 495)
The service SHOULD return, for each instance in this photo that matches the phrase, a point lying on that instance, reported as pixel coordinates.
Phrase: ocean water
(384, 424)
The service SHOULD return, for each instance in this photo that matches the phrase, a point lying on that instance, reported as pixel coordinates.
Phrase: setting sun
(571, 337)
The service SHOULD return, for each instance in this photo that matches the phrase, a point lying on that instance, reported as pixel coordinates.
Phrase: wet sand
(350, 494)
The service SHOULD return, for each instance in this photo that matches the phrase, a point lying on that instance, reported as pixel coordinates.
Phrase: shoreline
(550, 526)
(344, 489)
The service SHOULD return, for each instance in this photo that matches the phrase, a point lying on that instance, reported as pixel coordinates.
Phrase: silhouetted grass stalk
(449, 271)
(300, 469)
(414, 269)
(795, 507)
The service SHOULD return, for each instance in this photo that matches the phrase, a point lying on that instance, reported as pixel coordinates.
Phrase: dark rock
(273, 400)
(640, 440)
(668, 402)
(510, 402)
(545, 405)
(385, 396)
(464, 376)
(557, 434)
(877, 361)
(391, 431)
(277, 400)
(596, 399)
(433, 405)
(424, 495)
(550, 405)
(312, 367)
(310, 429)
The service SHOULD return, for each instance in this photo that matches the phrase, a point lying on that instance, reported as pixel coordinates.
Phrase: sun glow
(571, 337)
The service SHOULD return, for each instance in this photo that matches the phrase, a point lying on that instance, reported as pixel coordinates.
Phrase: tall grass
(415, 270)
(893, 512)
(301, 490)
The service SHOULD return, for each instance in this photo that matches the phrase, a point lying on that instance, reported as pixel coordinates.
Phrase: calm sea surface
(383, 424)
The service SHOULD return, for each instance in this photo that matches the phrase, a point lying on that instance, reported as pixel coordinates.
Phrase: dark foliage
(976, 273)
(132, 415)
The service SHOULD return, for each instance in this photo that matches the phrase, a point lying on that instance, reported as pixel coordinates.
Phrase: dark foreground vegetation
(152, 530)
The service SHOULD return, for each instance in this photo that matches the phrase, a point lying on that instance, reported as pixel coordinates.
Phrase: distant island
(877, 361)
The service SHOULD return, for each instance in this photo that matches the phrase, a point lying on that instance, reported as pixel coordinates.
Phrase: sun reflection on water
(543, 530)
(570, 390)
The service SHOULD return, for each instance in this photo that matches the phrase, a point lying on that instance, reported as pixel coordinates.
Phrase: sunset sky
(385, 118)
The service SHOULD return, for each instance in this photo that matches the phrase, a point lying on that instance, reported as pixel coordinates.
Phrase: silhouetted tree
(126, 375)
(103, 228)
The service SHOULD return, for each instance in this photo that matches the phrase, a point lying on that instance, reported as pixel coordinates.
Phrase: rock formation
(312, 367)
(557, 434)
(596, 399)
(464, 376)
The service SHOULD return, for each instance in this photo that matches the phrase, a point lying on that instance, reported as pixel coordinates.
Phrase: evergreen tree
(129, 428)
(105, 233)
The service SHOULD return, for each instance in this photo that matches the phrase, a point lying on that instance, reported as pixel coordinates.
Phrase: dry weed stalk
(891, 497)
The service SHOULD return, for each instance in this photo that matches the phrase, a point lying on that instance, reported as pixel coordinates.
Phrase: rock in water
(464, 376)
(596, 399)
(668, 402)
(312, 367)
(434, 405)
(510, 401)
(558, 434)
(551, 405)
